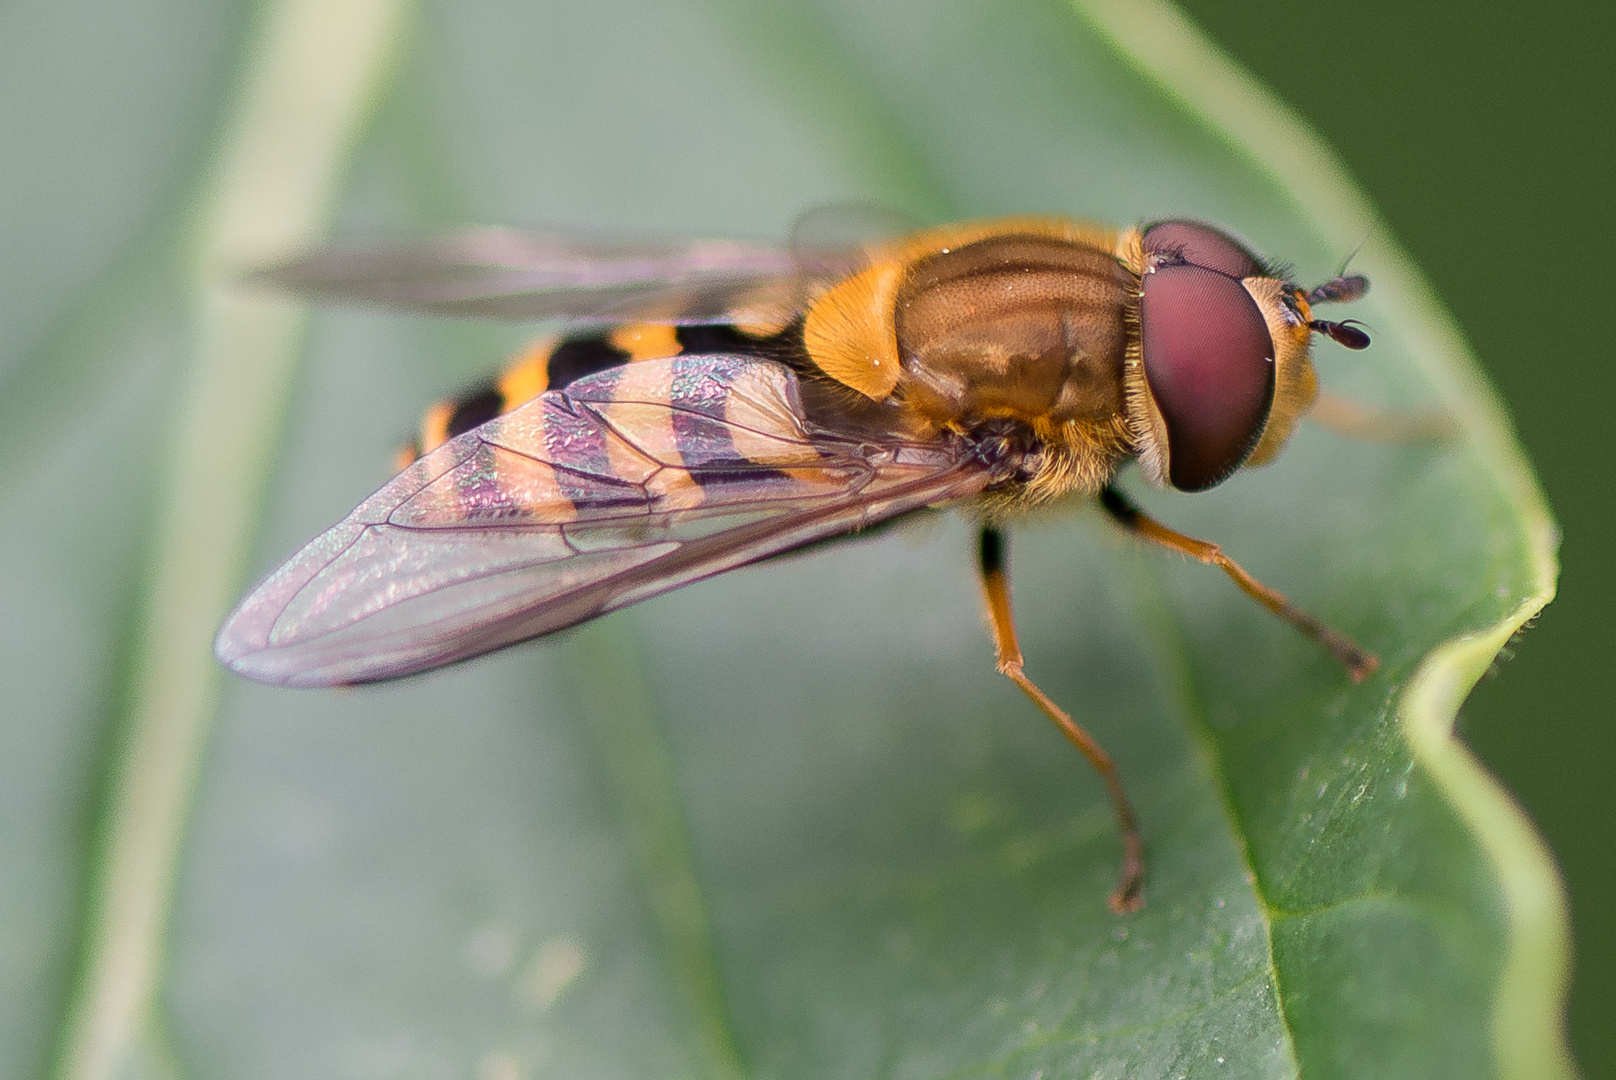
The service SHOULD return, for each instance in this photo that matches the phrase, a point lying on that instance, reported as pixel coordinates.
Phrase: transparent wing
(624, 485)
(498, 273)
(838, 238)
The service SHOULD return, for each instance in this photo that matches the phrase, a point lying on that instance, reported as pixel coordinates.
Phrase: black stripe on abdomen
(474, 408)
(577, 357)
(704, 339)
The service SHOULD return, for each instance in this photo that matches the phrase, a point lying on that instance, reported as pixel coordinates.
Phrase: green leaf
(787, 822)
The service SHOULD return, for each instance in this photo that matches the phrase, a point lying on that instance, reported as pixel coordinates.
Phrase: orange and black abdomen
(553, 362)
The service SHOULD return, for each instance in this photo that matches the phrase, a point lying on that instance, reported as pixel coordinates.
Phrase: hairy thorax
(1026, 327)
(1031, 329)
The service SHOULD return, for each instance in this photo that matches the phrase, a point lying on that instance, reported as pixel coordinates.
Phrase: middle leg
(992, 563)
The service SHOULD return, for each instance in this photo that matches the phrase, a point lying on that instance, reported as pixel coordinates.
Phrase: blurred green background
(1487, 136)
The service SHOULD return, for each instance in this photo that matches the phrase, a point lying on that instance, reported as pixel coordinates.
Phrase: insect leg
(1350, 420)
(992, 558)
(1360, 663)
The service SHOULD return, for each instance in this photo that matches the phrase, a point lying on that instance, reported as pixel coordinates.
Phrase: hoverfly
(712, 404)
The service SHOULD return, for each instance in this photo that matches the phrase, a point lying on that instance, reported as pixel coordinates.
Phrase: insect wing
(624, 485)
(500, 273)
(839, 238)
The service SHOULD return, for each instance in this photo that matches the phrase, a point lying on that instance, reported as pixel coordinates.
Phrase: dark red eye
(1201, 245)
(1209, 362)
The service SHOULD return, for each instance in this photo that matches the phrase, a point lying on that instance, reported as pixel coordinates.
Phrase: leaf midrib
(1163, 630)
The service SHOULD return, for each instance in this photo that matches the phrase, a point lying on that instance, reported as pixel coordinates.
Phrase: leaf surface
(789, 822)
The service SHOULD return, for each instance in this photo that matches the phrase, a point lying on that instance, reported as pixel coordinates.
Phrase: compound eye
(1209, 363)
(1199, 244)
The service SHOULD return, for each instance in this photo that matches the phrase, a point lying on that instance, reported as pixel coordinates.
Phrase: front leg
(1359, 662)
(1395, 427)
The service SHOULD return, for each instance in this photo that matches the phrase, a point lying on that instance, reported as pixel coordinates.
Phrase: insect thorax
(1028, 329)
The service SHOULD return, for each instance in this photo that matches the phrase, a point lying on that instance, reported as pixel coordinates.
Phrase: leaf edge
(1528, 1037)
